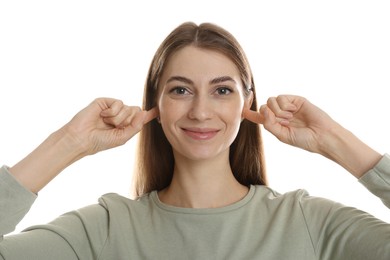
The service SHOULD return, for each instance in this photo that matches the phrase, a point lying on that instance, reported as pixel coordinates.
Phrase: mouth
(200, 133)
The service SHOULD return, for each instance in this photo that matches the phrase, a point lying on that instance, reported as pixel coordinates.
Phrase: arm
(337, 231)
(103, 124)
(340, 232)
(80, 234)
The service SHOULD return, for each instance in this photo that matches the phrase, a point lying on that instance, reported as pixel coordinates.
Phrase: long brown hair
(155, 159)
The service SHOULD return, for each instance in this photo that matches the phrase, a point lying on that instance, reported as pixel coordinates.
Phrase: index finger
(150, 115)
(253, 116)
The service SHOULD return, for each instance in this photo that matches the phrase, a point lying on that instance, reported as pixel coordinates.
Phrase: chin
(202, 154)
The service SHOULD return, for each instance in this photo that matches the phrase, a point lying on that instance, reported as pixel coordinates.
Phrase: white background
(57, 56)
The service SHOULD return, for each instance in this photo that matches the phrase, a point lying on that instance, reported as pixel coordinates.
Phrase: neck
(203, 184)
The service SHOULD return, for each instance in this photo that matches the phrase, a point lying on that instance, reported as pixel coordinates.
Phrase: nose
(201, 109)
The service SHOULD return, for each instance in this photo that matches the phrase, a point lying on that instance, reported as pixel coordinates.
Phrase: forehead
(199, 63)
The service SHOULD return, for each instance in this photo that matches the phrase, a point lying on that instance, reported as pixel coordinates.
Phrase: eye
(224, 91)
(179, 91)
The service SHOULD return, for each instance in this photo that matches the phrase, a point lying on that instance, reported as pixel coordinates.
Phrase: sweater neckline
(203, 211)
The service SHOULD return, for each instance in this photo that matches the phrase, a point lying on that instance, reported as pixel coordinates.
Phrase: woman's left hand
(294, 120)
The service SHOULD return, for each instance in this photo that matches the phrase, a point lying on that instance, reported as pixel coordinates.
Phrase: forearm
(57, 152)
(343, 147)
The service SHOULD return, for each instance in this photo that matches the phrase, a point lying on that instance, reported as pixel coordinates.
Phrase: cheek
(232, 118)
(235, 111)
(170, 113)
(168, 110)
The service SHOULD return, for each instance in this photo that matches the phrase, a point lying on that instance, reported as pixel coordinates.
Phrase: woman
(201, 183)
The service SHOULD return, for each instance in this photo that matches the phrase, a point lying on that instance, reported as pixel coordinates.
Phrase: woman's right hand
(103, 124)
(107, 123)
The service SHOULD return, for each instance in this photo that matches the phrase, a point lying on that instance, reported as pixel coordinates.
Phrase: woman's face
(200, 103)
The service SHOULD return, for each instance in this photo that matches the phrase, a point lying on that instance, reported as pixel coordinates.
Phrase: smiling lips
(200, 133)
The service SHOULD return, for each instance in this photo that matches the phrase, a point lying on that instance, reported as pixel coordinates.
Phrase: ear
(158, 115)
(248, 100)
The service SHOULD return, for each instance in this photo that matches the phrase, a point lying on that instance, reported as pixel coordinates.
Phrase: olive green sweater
(263, 225)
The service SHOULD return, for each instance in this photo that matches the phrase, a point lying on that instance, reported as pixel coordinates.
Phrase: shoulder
(299, 199)
(118, 204)
(268, 194)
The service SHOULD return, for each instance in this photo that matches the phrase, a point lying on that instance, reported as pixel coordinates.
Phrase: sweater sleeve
(79, 234)
(15, 202)
(341, 232)
(377, 180)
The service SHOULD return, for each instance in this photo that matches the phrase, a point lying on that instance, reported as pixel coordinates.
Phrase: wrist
(57, 152)
(70, 143)
(343, 147)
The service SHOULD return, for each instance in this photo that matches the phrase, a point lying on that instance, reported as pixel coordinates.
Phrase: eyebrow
(213, 81)
(182, 79)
